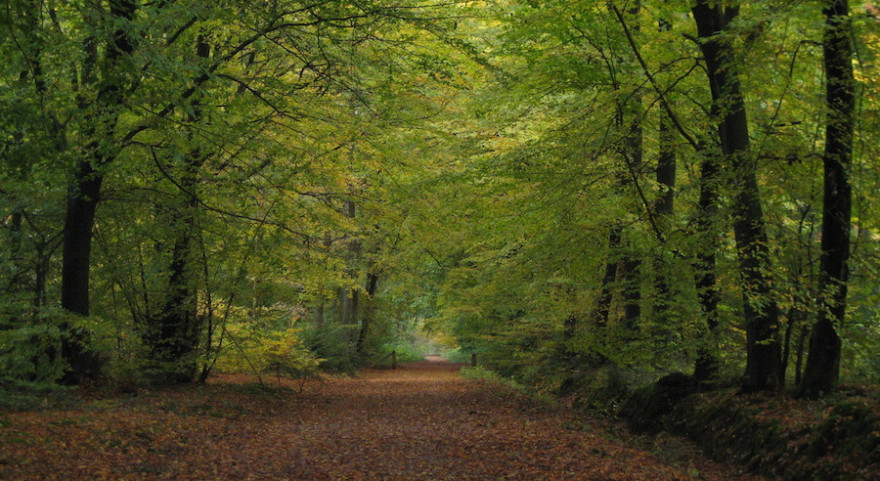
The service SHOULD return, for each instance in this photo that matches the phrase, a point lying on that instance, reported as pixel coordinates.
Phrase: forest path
(420, 422)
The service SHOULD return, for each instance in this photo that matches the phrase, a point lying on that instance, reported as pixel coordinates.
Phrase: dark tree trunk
(16, 285)
(175, 330)
(319, 316)
(349, 299)
(178, 326)
(622, 268)
(764, 359)
(796, 323)
(603, 304)
(666, 169)
(354, 306)
(630, 119)
(704, 268)
(664, 205)
(84, 193)
(631, 265)
(823, 362)
(82, 202)
(631, 274)
(664, 209)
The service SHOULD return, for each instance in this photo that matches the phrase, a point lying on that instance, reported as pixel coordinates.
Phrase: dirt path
(421, 422)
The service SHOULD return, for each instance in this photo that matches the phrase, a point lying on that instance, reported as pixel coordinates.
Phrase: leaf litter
(419, 422)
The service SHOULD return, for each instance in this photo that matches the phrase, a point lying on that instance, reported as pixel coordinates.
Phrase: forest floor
(420, 422)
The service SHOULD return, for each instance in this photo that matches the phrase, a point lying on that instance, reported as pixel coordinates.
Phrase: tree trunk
(367, 315)
(178, 325)
(704, 268)
(823, 361)
(82, 202)
(84, 193)
(631, 274)
(603, 304)
(764, 359)
(664, 209)
(664, 204)
(630, 120)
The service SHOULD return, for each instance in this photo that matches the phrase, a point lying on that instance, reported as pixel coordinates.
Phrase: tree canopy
(557, 187)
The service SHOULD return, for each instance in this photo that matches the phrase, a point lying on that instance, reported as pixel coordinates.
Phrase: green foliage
(405, 351)
(457, 355)
(472, 162)
(335, 346)
(31, 353)
(30, 366)
(285, 354)
(20, 394)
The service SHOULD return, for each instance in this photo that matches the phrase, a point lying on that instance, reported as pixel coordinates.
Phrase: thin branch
(660, 93)
(651, 216)
(218, 210)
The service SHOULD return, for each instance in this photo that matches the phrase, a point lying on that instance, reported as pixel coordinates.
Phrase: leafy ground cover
(421, 422)
(833, 439)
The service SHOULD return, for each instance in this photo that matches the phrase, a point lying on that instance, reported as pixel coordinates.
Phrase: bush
(333, 345)
(25, 354)
(406, 352)
(284, 354)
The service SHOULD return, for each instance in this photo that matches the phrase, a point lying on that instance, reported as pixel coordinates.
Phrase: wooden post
(474, 360)
(393, 359)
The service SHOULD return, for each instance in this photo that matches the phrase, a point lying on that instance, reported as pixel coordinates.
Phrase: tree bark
(630, 120)
(823, 361)
(764, 359)
(84, 194)
(603, 304)
(704, 268)
(631, 273)
(82, 202)
(664, 204)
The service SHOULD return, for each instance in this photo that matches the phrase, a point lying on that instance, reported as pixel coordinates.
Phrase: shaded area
(837, 439)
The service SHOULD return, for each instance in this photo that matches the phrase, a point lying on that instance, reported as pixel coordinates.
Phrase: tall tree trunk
(621, 267)
(631, 265)
(84, 192)
(178, 325)
(603, 303)
(823, 361)
(350, 298)
(764, 359)
(631, 273)
(82, 202)
(630, 120)
(704, 268)
(664, 204)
